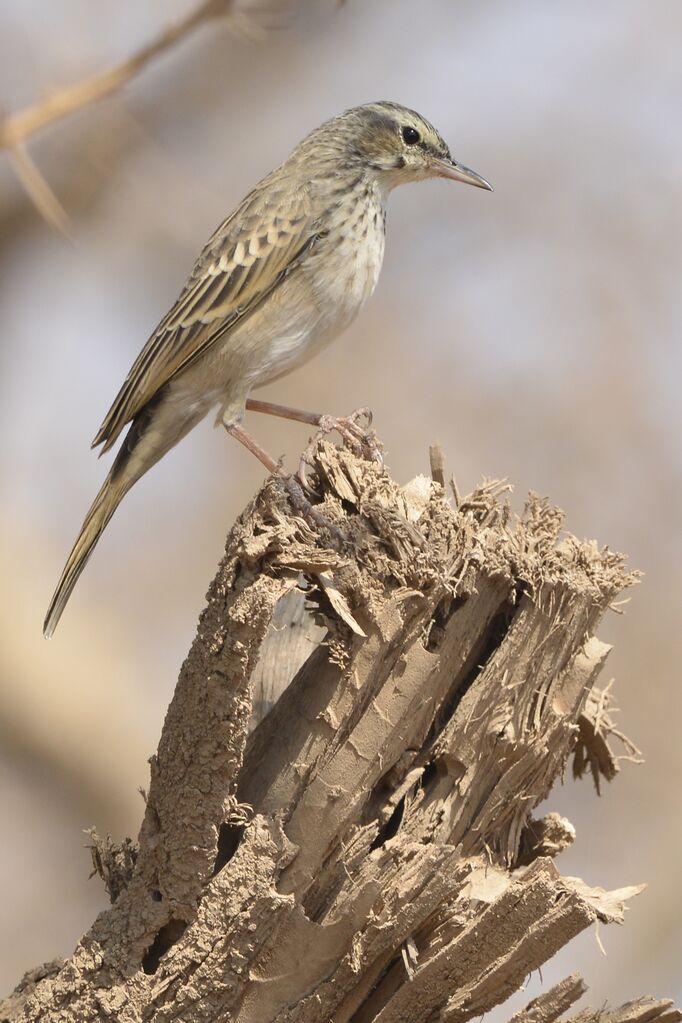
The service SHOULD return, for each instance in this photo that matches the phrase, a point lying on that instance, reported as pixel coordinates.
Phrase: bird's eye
(411, 136)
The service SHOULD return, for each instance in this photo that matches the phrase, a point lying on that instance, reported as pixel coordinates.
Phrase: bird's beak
(456, 172)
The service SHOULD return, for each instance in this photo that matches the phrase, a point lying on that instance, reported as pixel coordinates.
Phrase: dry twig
(16, 128)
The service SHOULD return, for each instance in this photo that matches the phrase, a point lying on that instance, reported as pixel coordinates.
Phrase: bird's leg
(291, 485)
(358, 438)
(347, 426)
(283, 411)
(251, 444)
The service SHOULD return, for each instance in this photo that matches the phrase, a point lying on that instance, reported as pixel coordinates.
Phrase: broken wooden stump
(367, 854)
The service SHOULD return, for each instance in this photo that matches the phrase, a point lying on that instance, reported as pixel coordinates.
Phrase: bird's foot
(302, 505)
(355, 432)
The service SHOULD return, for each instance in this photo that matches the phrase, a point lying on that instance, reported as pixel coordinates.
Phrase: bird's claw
(305, 462)
(362, 413)
(302, 505)
(361, 439)
(359, 425)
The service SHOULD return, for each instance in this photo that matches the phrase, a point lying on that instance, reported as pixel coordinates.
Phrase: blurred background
(534, 332)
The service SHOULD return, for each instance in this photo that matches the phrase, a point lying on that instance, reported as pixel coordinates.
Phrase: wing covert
(245, 259)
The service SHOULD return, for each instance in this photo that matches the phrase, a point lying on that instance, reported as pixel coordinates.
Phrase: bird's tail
(156, 428)
(141, 447)
(103, 507)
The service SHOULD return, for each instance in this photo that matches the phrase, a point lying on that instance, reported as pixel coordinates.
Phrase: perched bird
(277, 281)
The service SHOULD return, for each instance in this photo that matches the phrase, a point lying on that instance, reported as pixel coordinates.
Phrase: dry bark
(367, 854)
(552, 1004)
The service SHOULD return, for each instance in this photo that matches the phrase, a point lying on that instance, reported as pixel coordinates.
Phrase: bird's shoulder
(246, 252)
(278, 211)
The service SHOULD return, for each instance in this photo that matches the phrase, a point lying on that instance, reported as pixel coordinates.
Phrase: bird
(278, 280)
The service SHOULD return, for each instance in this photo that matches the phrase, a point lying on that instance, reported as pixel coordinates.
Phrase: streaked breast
(349, 259)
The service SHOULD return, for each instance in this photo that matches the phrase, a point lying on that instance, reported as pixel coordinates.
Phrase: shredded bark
(114, 863)
(552, 1004)
(367, 853)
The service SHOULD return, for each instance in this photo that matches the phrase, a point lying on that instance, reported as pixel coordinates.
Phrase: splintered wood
(367, 854)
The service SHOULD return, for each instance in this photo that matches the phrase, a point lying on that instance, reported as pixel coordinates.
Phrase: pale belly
(306, 313)
(321, 302)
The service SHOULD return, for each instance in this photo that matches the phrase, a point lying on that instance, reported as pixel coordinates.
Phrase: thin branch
(17, 127)
(38, 190)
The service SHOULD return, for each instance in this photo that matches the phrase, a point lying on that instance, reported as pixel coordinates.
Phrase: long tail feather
(103, 507)
(155, 430)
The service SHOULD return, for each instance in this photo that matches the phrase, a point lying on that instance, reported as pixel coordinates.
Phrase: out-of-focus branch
(38, 190)
(17, 127)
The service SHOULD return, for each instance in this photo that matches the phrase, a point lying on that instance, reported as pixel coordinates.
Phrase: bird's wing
(244, 261)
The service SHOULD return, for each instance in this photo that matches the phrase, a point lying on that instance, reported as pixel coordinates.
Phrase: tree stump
(367, 854)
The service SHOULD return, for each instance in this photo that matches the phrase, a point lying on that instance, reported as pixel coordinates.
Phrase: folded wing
(249, 255)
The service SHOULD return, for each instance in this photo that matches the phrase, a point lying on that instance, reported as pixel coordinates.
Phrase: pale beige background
(534, 332)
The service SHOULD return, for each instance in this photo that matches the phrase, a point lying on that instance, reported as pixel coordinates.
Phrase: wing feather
(245, 259)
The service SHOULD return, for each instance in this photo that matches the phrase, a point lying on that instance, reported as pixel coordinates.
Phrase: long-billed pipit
(279, 279)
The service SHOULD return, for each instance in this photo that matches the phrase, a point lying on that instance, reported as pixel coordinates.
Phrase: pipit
(277, 281)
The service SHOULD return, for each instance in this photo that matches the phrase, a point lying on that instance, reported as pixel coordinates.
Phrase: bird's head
(399, 145)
